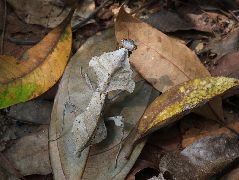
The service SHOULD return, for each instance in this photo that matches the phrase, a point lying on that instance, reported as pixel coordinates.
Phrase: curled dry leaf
(181, 100)
(205, 158)
(39, 68)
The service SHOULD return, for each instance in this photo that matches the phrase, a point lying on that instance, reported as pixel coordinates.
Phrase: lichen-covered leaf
(181, 100)
(39, 68)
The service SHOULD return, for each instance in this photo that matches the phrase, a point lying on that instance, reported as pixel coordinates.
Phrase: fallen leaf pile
(153, 95)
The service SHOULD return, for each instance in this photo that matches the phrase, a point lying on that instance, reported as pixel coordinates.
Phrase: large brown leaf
(161, 60)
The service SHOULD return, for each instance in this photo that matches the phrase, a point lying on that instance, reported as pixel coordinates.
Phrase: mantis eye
(128, 44)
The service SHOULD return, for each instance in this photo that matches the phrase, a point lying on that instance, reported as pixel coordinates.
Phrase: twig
(77, 26)
(143, 6)
(120, 148)
(23, 41)
(233, 14)
(4, 26)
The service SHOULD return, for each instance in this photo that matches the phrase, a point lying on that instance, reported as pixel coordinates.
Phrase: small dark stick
(4, 27)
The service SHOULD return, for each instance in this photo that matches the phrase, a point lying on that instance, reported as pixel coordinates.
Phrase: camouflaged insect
(113, 73)
(128, 44)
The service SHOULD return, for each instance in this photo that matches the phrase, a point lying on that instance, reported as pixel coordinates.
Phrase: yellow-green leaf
(39, 68)
(181, 100)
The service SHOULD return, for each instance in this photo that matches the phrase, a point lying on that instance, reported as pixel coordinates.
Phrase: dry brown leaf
(194, 128)
(35, 111)
(221, 46)
(30, 155)
(167, 21)
(205, 158)
(161, 60)
(206, 18)
(227, 65)
(50, 13)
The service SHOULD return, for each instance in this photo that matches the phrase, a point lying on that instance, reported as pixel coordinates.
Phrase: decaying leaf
(194, 128)
(35, 111)
(49, 13)
(227, 66)
(170, 62)
(204, 158)
(30, 155)
(180, 100)
(39, 68)
(205, 20)
(221, 46)
(168, 21)
(113, 73)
